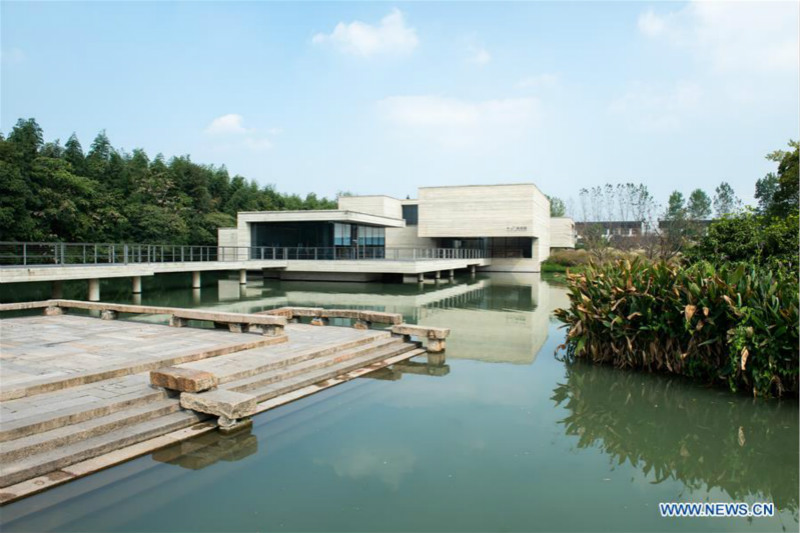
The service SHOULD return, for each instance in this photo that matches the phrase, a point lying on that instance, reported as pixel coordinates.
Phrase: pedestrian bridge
(23, 262)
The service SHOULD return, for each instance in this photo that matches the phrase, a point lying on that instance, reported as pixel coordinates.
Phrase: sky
(385, 97)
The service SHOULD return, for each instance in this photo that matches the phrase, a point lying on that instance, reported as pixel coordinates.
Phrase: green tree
(699, 207)
(557, 207)
(675, 206)
(786, 198)
(73, 153)
(725, 200)
(765, 191)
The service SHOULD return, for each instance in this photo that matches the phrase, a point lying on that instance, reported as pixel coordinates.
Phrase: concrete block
(107, 314)
(53, 311)
(379, 316)
(238, 328)
(269, 330)
(177, 322)
(435, 345)
(222, 403)
(361, 324)
(319, 321)
(183, 379)
(421, 331)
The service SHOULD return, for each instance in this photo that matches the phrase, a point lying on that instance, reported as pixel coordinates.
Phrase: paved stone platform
(75, 391)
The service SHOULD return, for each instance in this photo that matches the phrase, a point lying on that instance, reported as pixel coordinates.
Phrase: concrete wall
(227, 237)
(562, 232)
(407, 238)
(483, 211)
(384, 206)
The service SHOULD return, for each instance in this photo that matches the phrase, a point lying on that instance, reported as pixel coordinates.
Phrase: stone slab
(421, 331)
(183, 379)
(219, 402)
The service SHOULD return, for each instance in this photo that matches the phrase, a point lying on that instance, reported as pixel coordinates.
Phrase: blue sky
(380, 98)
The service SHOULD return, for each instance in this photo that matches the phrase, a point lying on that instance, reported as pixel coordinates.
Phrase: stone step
(57, 409)
(50, 384)
(62, 436)
(44, 463)
(260, 367)
(329, 372)
(287, 372)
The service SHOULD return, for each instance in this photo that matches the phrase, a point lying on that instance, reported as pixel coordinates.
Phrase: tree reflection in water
(670, 429)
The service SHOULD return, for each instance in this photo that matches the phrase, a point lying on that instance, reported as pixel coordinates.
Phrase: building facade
(507, 225)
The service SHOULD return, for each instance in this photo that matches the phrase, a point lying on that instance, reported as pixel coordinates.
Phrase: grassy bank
(733, 325)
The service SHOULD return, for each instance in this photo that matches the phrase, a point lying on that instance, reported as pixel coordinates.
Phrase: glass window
(411, 214)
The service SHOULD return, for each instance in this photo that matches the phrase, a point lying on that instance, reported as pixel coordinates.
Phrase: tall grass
(731, 324)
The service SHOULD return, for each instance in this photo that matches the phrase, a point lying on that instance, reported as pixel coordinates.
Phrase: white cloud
(479, 55)
(458, 122)
(655, 108)
(230, 124)
(391, 36)
(12, 56)
(539, 81)
(731, 36)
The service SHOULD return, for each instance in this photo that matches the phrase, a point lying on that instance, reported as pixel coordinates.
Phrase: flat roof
(322, 215)
(483, 185)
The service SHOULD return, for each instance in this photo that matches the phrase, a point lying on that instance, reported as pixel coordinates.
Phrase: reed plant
(732, 324)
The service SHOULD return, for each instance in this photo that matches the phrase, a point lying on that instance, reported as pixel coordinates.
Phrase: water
(505, 438)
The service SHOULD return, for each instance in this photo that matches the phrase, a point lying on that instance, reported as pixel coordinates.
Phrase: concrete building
(504, 228)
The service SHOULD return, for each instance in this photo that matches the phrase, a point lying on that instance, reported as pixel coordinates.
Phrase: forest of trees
(50, 192)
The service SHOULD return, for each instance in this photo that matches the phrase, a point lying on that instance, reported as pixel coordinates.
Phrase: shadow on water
(670, 430)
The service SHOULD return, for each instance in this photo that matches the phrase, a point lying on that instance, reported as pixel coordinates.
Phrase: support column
(196, 279)
(421, 278)
(196, 296)
(94, 290)
(137, 299)
(136, 283)
(452, 273)
(58, 289)
(243, 277)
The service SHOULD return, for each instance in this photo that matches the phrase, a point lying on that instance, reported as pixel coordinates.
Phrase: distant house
(611, 228)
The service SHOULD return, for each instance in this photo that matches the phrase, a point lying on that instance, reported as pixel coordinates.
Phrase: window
(411, 214)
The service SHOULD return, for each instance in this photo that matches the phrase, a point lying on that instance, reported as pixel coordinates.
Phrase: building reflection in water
(501, 318)
(669, 429)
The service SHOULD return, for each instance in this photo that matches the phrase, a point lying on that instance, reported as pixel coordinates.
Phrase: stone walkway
(74, 388)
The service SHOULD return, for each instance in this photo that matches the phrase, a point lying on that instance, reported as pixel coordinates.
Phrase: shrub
(733, 324)
(751, 238)
(569, 258)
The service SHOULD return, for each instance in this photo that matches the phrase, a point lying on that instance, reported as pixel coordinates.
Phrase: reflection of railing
(59, 253)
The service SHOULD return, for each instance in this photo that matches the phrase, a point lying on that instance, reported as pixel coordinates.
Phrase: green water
(505, 438)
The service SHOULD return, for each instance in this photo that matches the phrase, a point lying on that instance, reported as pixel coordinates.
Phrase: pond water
(506, 437)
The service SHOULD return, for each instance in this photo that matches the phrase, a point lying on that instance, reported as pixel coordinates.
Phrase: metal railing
(60, 253)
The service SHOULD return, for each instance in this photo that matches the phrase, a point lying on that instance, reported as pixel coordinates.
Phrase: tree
(73, 153)
(725, 200)
(766, 188)
(675, 207)
(699, 207)
(557, 207)
(748, 237)
(25, 141)
(786, 198)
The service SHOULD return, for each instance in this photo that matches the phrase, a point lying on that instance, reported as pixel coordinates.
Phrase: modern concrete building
(504, 228)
